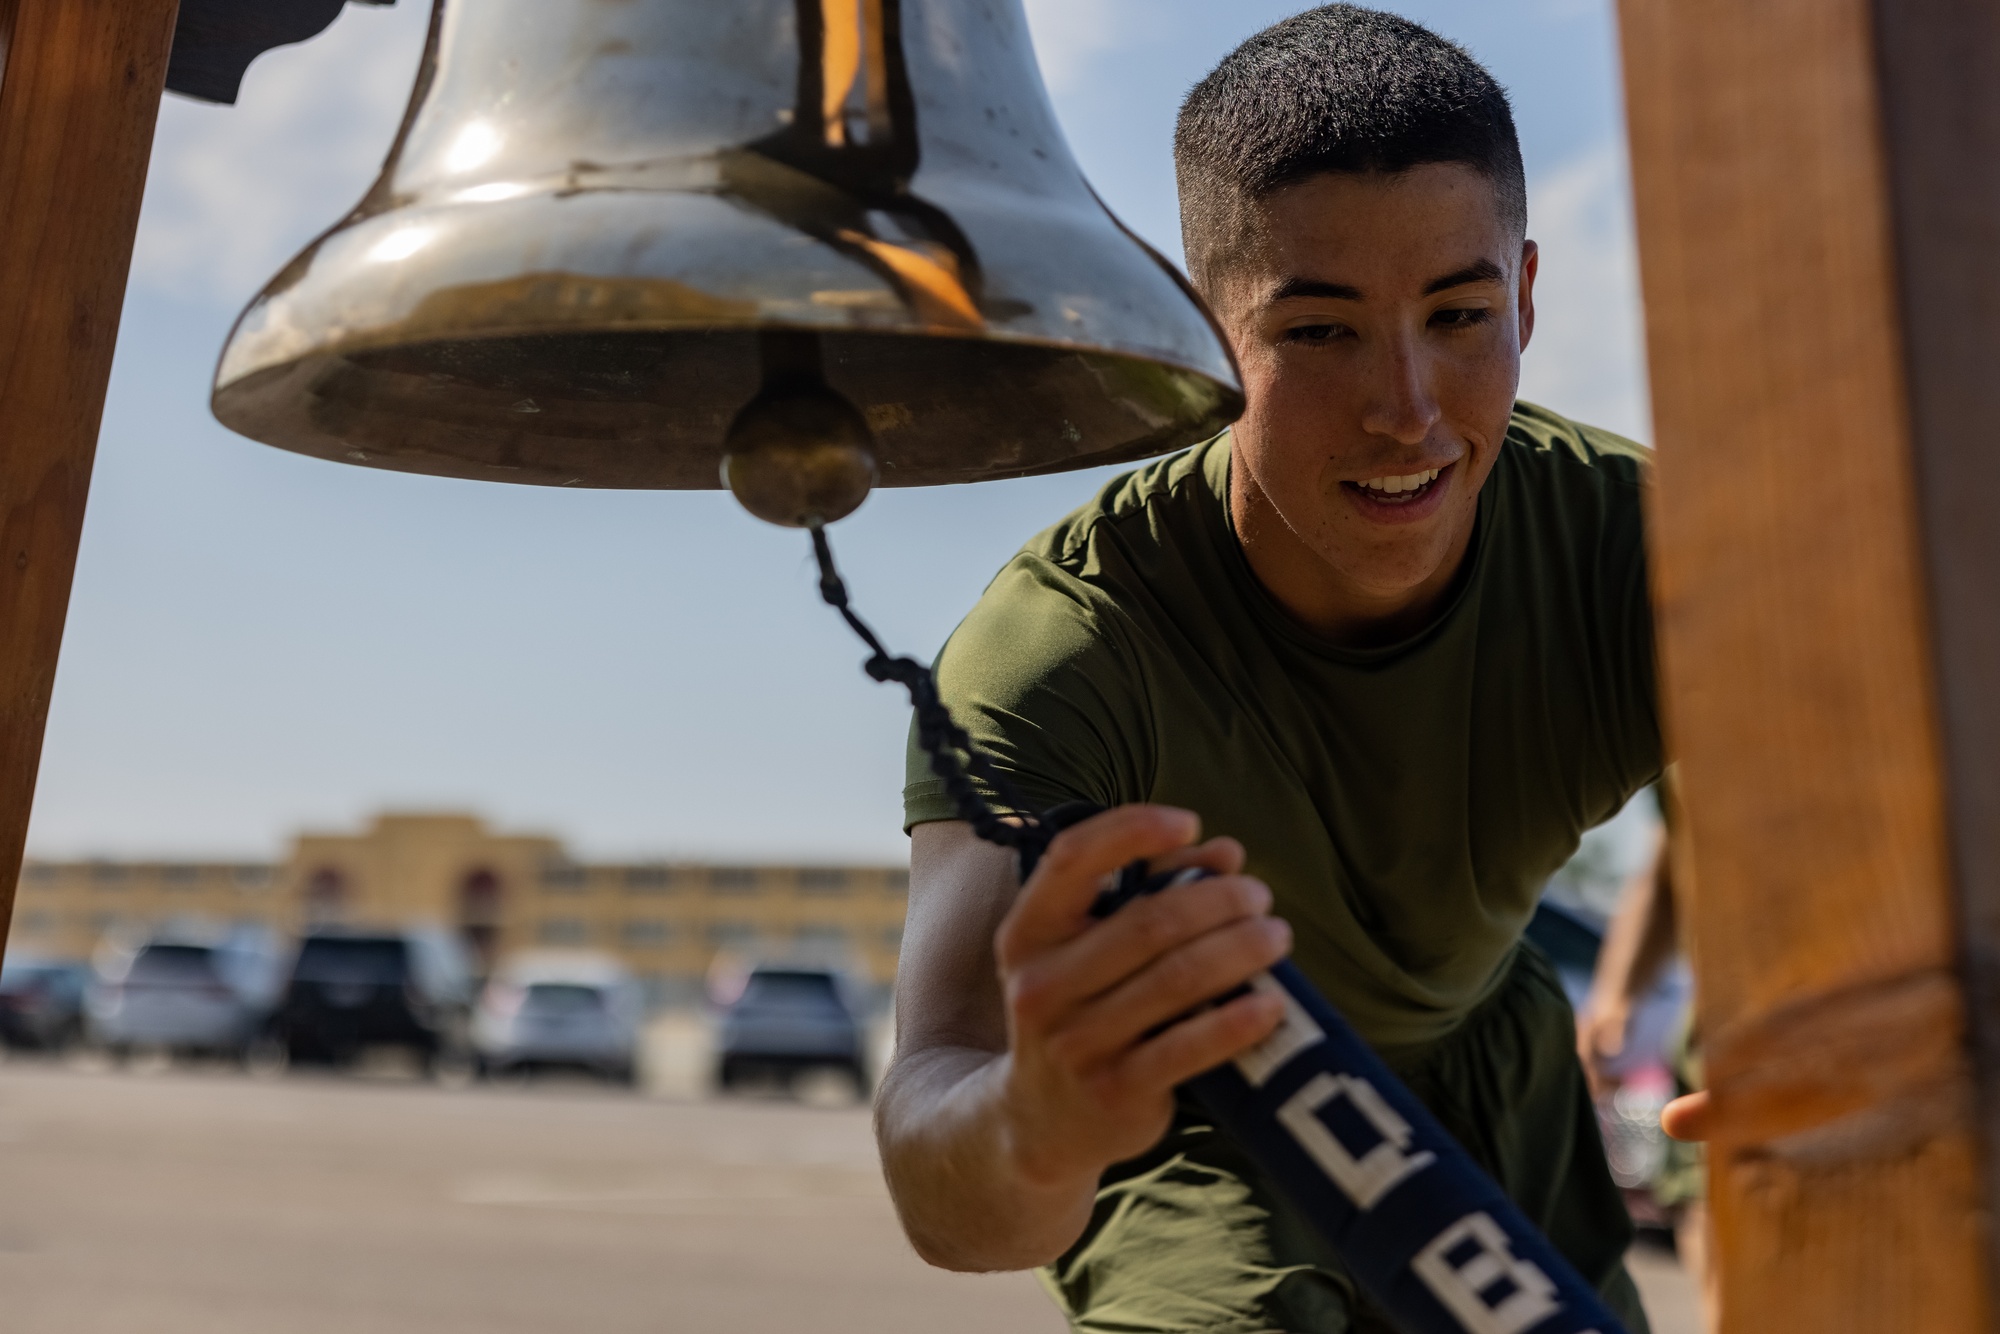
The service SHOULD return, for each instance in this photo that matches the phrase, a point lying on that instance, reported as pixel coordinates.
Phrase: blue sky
(260, 642)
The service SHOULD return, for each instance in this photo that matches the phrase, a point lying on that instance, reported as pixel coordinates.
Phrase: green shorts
(1191, 1237)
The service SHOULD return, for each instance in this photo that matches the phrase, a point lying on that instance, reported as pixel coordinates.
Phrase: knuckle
(1180, 975)
(1028, 997)
(1064, 1051)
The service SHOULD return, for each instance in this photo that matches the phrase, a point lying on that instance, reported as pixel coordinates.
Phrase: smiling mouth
(1407, 489)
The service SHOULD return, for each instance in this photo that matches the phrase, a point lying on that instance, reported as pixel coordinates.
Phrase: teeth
(1397, 485)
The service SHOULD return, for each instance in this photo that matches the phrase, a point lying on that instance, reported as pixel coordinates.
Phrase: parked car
(184, 990)
(41, 1003)
(352, 989)
(580, 1011)
(788, 1020)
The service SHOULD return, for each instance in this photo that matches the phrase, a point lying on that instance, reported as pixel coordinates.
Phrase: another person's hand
(1600, 1040)
(1688, 1118)
(1104, 1018)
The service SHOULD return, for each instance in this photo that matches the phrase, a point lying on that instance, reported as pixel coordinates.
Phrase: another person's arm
(1638, 943)
(1030, 1053)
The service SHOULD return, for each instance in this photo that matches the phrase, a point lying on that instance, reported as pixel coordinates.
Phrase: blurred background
(587, 821)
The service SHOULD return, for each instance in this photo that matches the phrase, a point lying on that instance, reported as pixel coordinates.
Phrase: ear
(1531, 260)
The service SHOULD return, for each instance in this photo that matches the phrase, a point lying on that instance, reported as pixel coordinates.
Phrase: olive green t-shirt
(1404, 803)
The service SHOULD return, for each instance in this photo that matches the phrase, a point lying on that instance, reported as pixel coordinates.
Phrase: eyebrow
(1293, 288)
(1479, 271)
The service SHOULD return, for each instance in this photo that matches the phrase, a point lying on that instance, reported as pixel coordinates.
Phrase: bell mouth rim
(374, 342)
(277, 406)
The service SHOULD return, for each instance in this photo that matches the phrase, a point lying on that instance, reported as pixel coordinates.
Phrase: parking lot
(201, 1199)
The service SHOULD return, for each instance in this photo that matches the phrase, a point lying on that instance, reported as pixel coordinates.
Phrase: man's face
(1379, 322)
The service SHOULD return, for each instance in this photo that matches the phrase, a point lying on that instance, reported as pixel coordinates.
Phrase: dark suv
(353, 989)
(787, 1021)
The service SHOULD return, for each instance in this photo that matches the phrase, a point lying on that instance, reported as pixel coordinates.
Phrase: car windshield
(170, 965)
(792, 991)
(330, 959)
(562, 998)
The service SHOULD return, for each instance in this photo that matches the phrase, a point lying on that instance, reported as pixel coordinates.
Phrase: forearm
(967, 1200)
(1640, 940)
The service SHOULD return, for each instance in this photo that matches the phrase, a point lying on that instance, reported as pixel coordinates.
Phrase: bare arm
(1029, 1048)
(1639, 941)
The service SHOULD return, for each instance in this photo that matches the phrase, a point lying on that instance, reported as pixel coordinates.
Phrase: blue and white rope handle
(1425, 1233)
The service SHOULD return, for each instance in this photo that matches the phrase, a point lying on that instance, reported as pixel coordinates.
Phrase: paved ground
(207, 1201)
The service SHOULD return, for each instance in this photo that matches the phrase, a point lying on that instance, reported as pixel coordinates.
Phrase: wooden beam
(1808, 346)
(80, 85)
(1940, 69)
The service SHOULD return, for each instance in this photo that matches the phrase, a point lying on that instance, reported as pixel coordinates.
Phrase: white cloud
(233, 192)
(1588, 356)
(1070, 33)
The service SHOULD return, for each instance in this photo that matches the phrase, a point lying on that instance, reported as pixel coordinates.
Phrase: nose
(1401, 405)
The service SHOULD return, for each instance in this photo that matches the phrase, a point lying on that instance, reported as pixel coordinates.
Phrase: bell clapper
(798, 454)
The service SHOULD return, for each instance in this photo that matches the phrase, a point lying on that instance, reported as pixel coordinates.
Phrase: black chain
(942, 739)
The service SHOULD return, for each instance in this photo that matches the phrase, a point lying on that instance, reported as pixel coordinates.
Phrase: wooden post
(80, 84)
(1819, 227)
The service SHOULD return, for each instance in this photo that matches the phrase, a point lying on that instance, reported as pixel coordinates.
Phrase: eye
(1461, 317)
(1315, 333)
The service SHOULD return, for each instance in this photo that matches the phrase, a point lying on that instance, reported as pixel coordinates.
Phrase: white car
(187, 990)
(580, 1011)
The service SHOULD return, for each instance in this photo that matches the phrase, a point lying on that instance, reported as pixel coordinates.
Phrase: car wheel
(266, 1057)
(453, 1067)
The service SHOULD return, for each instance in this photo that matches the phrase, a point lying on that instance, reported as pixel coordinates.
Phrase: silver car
(577, 1011)
(184, 991)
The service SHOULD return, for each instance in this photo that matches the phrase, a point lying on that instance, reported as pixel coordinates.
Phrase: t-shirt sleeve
(1039, 675)
(1632, 719)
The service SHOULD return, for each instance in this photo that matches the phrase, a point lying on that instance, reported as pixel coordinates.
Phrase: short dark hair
(1342, 89)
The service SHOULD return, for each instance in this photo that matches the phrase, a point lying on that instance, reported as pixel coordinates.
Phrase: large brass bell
(840, 240)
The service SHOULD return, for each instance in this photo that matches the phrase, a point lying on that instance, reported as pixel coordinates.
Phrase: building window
(646, 932)
(823, 880)
(564, 878)
(896, 881)
(326, 895)
(41, 873)
(892, 938)
(822, 935)
(181, 877)
(648, 879)
(564, 931)
(732, 935)
(107, 875)
(732, 880)
(253, 877)
(479, 897)
(37, 923)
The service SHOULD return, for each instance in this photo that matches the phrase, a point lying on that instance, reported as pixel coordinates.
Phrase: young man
(1388, 639)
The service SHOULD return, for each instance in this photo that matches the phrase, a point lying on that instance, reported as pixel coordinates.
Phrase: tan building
(505, 892)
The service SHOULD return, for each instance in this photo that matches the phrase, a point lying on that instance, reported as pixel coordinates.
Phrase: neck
(1317, 594)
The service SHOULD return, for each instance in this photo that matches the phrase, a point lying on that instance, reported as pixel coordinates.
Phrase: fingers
(1202, 1042)
(1171, 985)
(1688, 1118)
(1091, 964)
(1220, 856)
(1055, 903)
